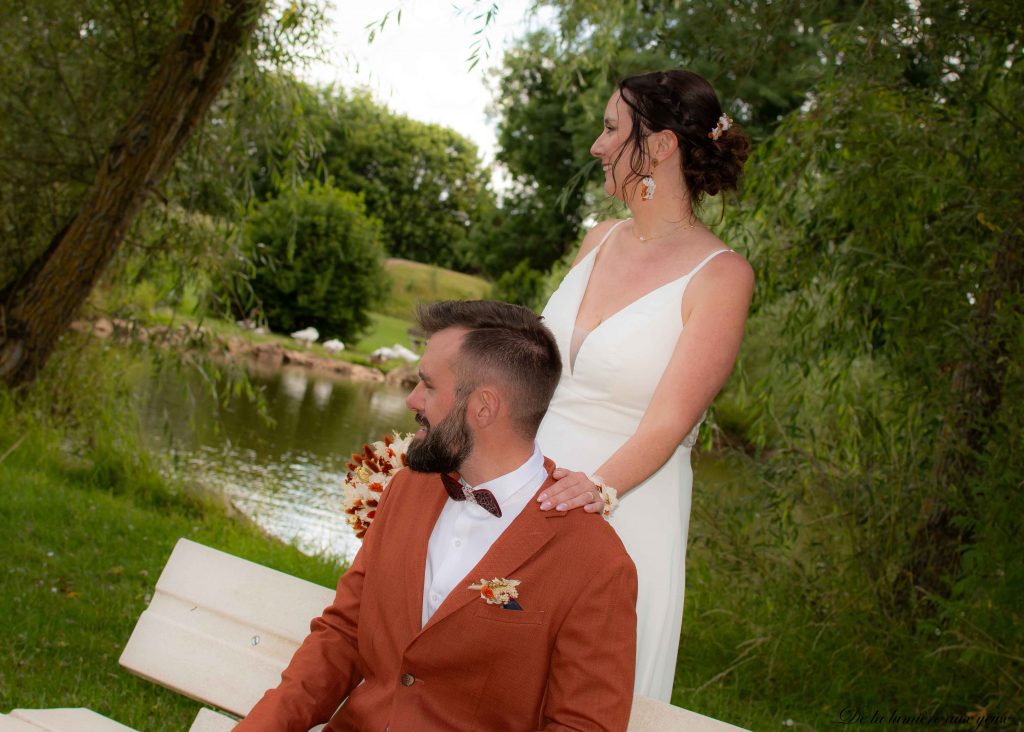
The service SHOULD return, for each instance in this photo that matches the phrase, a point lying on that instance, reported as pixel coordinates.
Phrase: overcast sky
(419, 66)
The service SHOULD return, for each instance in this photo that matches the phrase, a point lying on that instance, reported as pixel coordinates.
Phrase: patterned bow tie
(482, 497)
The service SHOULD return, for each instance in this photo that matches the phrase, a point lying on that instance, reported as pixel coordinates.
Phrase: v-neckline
(586, 286)
(573, 358)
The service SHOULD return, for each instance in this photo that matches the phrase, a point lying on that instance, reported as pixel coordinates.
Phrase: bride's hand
(572, 489)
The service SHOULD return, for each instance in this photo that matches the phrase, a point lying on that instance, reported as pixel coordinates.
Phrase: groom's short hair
(504, 341)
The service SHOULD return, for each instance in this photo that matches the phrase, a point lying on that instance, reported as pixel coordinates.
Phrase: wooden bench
(220, 630)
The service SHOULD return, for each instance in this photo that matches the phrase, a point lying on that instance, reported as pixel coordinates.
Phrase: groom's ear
(484, 406)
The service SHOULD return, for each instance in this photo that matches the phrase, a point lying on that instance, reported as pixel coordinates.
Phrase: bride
(648, 321)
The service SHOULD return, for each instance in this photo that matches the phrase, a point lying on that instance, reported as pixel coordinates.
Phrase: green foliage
(543, 138)
(323, 261)
(880, 373)
(425, 183)
(554, 84)
(878, 391)
(71, 71)
(522, 285)
(762, 58)
(66, 79)
(88, 524)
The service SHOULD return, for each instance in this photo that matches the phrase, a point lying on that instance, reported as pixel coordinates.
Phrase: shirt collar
(525, 476)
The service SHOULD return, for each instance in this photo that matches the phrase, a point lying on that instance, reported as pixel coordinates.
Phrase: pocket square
(512, 605)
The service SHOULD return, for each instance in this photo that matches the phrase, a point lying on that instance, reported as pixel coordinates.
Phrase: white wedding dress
(608, 378)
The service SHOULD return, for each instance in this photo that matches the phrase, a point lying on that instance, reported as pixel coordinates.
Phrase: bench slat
(12, 724)
(221, 629)
(71, 719)
(653, 715)
(210, 721)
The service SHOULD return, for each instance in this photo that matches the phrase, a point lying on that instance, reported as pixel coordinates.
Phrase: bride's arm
(714, 313)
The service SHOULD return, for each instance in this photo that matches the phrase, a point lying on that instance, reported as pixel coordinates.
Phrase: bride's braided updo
(685, 104)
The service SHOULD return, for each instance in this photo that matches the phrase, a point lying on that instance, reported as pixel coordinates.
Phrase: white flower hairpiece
(724, 123)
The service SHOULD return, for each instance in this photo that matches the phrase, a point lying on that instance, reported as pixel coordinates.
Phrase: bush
(522, 286)
(321, 258)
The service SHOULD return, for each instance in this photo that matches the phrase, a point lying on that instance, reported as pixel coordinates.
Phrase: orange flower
(497, 591)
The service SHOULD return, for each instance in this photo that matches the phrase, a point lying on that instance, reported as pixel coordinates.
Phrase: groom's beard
(445, 446)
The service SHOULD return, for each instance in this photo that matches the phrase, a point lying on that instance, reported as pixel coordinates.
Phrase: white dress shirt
(464, 531)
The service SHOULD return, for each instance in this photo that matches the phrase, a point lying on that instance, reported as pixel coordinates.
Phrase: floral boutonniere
(498, 591)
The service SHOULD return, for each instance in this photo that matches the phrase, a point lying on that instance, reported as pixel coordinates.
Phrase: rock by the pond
(404, 376)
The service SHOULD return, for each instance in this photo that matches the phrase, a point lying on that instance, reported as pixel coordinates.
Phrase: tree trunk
(977, 393)
(192, 71)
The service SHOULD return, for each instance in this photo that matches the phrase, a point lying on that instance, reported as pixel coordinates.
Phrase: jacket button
(408, 679)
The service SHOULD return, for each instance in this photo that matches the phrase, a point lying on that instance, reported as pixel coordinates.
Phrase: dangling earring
(647, 185)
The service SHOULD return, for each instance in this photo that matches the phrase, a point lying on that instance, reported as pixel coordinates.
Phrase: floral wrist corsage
(609, 496)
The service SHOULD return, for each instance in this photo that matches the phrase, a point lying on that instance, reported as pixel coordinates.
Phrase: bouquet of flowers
(368, 475)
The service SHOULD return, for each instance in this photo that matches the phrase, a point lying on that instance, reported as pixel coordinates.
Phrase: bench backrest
(221, 629)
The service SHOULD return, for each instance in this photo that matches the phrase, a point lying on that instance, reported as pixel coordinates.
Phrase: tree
(40, 299)
(543, 140)
(322, 259)
(761, 57)
(424, 182)
(900, 183)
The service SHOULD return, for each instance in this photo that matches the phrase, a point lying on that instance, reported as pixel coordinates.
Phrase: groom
(545, 637)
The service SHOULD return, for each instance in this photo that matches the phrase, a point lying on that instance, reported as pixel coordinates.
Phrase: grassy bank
(415, 282)
(411, 283)
(84, 539)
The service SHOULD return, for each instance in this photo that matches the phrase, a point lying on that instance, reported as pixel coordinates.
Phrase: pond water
(285, 475)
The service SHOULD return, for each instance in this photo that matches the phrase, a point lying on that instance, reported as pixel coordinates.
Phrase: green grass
(414, 283)
(84, 540)
(386, 330)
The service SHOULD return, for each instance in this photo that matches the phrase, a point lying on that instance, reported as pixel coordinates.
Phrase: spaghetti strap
(704, 261)
(607, 234)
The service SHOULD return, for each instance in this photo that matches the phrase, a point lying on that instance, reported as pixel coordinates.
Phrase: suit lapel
(523, 538)
(416, 540)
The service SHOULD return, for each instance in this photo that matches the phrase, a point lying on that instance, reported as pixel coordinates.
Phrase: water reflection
(286, 476)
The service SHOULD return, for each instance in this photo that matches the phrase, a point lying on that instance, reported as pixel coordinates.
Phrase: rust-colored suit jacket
(563, 662)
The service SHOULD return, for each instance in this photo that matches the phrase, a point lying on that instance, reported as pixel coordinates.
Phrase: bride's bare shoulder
(594, 237)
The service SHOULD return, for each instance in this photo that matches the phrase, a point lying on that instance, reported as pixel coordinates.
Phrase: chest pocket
(498, 614)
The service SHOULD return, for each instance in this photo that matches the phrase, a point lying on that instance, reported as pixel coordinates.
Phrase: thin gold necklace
(687, 225)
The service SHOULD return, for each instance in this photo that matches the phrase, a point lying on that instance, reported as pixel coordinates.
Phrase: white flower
(610, 496)
(724, 123)
(497, 591)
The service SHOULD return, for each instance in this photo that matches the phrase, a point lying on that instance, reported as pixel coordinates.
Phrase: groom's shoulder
(587, 535)
(590, 530)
